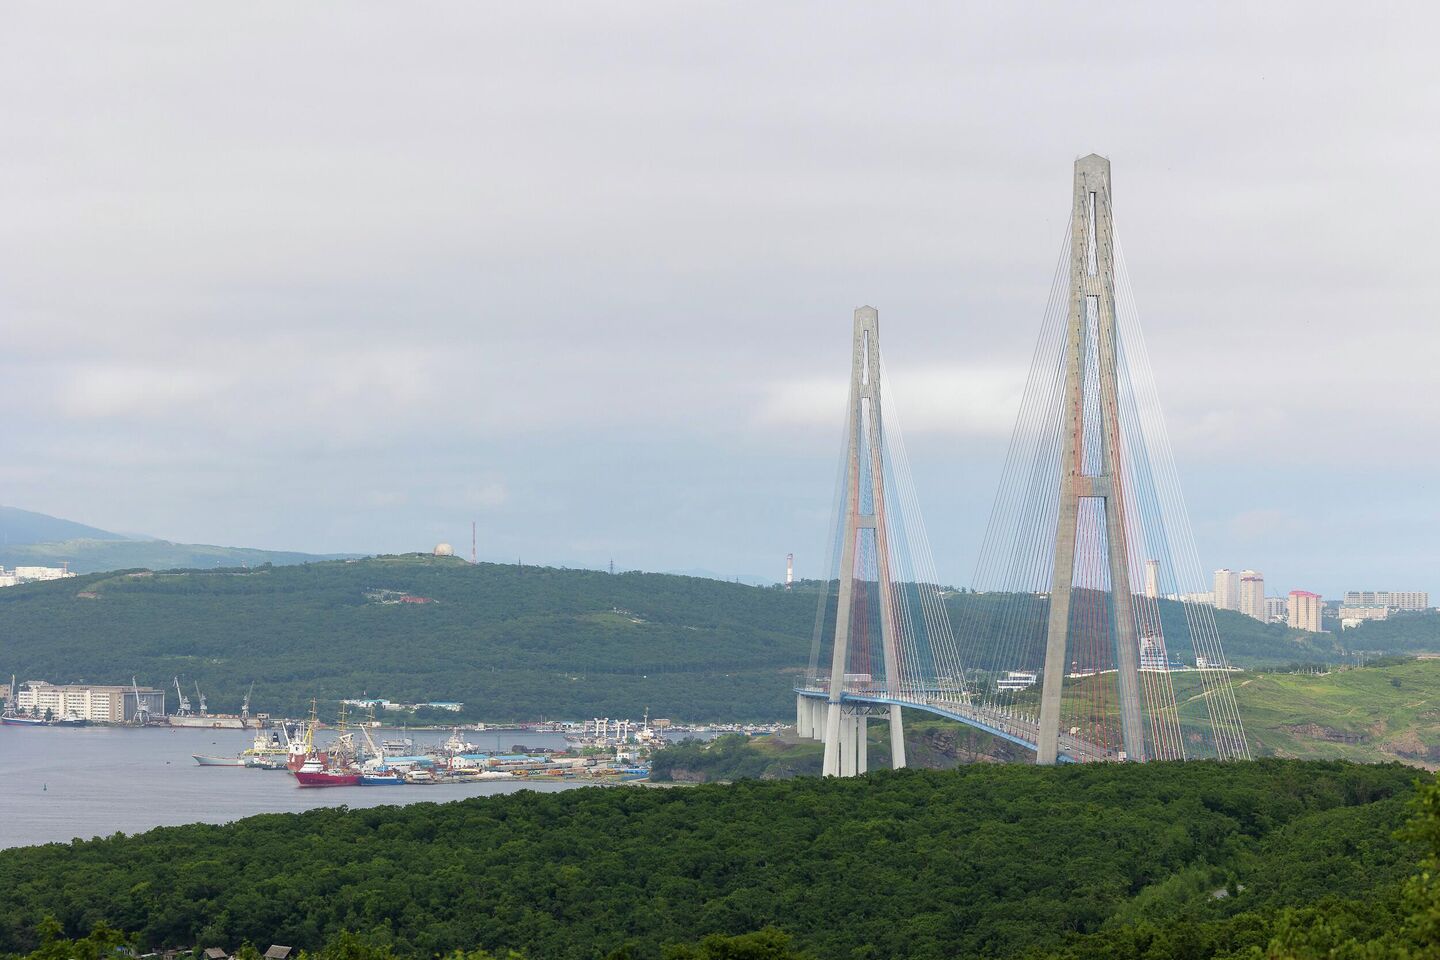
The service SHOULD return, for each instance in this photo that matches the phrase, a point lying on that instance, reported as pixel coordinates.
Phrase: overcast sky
(344, 277)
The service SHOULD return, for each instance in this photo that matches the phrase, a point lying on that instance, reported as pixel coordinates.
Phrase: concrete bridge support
(1091, 327)
(863, 515)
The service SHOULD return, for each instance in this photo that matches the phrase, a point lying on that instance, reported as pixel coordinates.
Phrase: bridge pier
(847, 745)
(862, 743)
(832, 739)
(897, 738)
(809, 718)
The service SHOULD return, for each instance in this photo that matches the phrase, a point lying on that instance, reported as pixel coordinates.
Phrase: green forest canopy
(987, 860)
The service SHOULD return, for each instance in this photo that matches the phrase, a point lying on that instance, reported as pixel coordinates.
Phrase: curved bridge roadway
(1017, 730)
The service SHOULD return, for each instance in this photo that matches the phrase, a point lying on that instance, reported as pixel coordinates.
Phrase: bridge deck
(1021, 731)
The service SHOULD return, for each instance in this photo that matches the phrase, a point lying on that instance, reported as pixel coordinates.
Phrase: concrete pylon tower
(844, 730)
(1091, 327)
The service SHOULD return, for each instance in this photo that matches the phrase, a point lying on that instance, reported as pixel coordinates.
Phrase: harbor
(366, 755)
(62, 783)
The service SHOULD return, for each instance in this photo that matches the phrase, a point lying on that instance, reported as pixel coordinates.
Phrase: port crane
(182, 707)
(245, 706)
(11, 700)
(142, 712)
(201, 697)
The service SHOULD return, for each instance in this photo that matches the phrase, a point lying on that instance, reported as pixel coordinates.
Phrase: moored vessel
(314, 773)
(218, 761)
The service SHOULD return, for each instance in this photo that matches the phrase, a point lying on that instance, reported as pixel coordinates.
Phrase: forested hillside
(990, 860)
(509, 642)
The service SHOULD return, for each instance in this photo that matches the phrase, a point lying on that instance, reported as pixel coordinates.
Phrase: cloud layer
(340, 278)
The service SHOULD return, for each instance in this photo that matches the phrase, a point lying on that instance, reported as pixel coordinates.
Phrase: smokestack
(789, 570)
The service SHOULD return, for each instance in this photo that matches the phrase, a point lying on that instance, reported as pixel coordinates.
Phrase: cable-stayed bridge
(1083, 619)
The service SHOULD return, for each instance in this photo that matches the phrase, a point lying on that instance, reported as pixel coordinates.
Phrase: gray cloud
(341, 277)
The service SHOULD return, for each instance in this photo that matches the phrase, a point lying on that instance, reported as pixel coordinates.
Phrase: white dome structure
(444, 550)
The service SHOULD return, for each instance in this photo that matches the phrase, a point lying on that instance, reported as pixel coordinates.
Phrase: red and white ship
(314, 773)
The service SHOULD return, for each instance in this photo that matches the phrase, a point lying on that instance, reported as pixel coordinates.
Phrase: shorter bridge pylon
(864, 617)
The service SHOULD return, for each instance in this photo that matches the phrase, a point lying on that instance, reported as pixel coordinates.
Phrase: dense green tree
(1113, 860)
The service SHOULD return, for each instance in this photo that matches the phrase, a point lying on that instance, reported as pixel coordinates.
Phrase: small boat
(16, 720)
(218, 761)
(71, 719)
(388, 778)
(314, 773)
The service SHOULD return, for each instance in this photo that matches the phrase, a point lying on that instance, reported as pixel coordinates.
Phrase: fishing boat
(301, 747)
(314, 773)
(11, 718)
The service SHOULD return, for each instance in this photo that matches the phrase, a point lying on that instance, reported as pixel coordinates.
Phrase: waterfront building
(1394, 599)
(1304, 610)
(1227, 589)
(1252, 594)
(29, 574)
(94, 702)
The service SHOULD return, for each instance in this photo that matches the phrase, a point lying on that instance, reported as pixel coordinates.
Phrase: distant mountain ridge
(28, 538)
(21, 527)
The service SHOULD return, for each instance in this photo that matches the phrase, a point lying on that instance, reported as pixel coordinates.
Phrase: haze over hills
(29, 538)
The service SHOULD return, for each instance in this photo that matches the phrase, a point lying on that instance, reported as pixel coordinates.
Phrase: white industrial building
(19, 575)
(93, 702)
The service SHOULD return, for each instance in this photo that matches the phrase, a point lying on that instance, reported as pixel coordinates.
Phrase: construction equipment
(182, 707)
(142, 712)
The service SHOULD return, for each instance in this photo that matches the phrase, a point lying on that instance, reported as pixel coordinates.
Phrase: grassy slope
(1372, 713)
(1366, 715)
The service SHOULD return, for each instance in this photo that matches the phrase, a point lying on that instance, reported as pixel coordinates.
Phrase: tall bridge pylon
(1088, 612)
(1091, 329)
(1085, 634)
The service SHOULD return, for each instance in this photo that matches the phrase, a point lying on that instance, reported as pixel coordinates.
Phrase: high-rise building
(1276, 608)
(1394, 599)
(1252, 594)
(1227, 589)
(1304, 610)
(1152, 578)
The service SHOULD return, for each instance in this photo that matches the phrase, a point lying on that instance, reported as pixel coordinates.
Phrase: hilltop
(36, 539)
(509, 642)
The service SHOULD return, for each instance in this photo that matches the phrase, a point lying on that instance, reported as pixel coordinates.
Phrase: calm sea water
(57, 784)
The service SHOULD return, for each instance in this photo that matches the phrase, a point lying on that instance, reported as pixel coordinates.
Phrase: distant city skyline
(586, 278)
